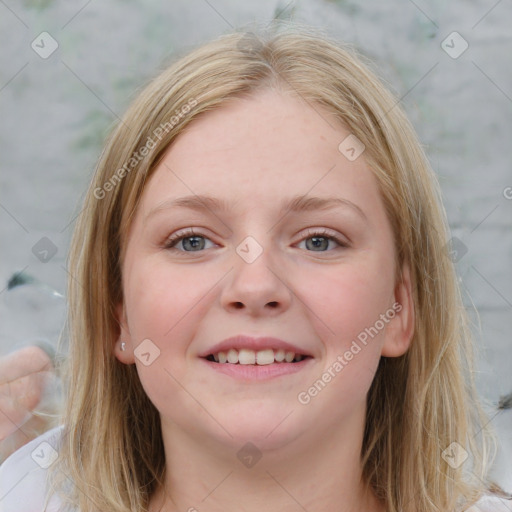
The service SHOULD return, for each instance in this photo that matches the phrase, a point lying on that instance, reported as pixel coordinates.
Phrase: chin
(268, 429)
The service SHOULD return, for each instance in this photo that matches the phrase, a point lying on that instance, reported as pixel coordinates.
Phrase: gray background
(56, 112)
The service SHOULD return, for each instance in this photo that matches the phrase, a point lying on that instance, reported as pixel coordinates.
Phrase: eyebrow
(297, 204)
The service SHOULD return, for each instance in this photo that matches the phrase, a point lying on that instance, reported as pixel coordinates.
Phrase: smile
(246, 356)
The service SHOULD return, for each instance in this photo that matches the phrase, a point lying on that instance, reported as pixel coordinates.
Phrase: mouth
(246, 356)
(249, 359)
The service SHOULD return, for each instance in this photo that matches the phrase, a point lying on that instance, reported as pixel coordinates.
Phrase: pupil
(317, 242)
(197, 242)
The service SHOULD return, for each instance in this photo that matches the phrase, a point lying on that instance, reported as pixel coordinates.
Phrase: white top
(23, 485)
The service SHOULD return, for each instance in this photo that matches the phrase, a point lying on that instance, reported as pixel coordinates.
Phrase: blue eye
(195, 242)
(188, 239)
(320, 240)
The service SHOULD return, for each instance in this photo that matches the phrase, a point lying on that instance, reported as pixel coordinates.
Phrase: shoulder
(491, 504)
(23, 475)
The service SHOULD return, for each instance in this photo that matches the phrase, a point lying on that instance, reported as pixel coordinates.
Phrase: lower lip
(258, 372)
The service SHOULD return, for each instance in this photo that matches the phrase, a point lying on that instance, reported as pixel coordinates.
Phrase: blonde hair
(418, 403)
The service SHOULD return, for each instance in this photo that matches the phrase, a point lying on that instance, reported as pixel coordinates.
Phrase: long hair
(418, 404)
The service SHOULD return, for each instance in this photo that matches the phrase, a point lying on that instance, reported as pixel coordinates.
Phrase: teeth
(261, 357)
(265, 356)
(288, 357)
(246, 356)
(232, 356)
(279, 356)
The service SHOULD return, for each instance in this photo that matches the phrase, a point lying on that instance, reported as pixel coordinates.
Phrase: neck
(317, 471)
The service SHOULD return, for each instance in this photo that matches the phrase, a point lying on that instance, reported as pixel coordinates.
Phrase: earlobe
(123, 346)
(400, 330)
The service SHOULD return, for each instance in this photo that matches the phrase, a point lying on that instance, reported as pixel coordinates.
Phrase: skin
(23, 377)
(256, 153)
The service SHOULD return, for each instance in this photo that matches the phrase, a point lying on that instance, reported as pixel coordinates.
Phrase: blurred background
(68, 70)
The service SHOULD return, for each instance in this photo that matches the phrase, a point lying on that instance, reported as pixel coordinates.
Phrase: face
(316, 273)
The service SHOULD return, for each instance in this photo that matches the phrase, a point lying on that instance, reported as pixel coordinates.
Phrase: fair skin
(256, 154)
(23, 376)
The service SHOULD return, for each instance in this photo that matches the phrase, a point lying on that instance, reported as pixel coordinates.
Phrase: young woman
(263, 311)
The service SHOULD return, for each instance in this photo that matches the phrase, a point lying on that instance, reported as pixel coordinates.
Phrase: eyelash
(174, 239)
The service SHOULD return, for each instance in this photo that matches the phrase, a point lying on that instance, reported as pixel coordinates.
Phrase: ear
(400, 329)
(125, 356)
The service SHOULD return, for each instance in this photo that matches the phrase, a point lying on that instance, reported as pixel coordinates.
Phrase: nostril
(240, 305)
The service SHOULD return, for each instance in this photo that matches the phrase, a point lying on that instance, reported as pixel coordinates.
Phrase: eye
(320, 240)
(191, 241)
(188, 240)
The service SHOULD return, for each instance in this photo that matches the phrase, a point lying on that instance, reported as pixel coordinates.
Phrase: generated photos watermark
(305, 397)
(138, 156)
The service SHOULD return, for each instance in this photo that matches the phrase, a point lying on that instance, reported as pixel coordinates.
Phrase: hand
(24, 374)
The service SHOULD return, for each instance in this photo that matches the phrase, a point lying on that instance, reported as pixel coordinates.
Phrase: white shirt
(23, 485)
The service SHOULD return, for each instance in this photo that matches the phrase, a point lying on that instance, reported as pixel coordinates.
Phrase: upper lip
(261, 343)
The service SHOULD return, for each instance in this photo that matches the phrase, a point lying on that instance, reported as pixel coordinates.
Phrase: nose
(256, 288)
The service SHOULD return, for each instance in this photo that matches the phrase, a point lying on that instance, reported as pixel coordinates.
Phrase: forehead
(253, 152)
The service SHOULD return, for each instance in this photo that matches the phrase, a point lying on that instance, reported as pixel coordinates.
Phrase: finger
(23, 362)
(27, 391)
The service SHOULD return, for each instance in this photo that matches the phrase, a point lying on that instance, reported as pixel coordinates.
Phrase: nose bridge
(255, 282)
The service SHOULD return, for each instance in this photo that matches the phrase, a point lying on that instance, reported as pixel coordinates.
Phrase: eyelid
(172, 240)
(179, 235)
(342, 241)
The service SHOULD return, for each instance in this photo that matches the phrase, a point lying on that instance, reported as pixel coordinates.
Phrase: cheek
(356, 299)
(348, 304)
(159, 297)
(165, 304)
(349, 299)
